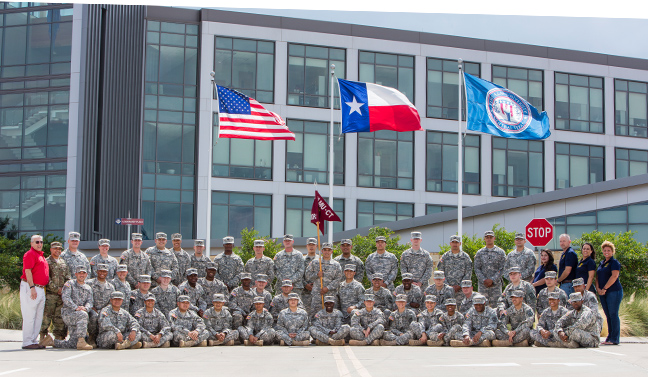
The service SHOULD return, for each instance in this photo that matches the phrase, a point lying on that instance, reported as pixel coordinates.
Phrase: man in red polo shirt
(34, 278)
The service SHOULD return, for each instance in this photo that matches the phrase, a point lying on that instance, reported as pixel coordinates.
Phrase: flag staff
(460, 177)
(331, 159)
(209, 153)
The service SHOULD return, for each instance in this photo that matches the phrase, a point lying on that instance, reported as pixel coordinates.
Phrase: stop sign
(539, 232)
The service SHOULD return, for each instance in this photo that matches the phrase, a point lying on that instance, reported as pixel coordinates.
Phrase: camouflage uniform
(580, 326)
(199, 263)
(220, 322)
(264, 265)
(400, 327)
(162, 259)
(441, 294)
(547, 321)
(360, 267)
(166, 300)
(279, 303)
(486, 322)
(183, 263)
(350, 294)
(183, 323)
(589, 300)
(73, 260)
(123, 287)
(100, 299)
(289, 266)
(524, 259)
(110, 262)
(112, 323)
(467, 303)
(425, 322)
(331, 279)
(521, 322)
(413, 295)
(138, 264)
(267, 297)
(542, 301)
(419, 263)
(362, 319)
(456, 267)
(306, 295)
(196, 295)
(212, 287)
(325, 322)
(137, 299)
(451, 326)
(386, 264)
(489, 264)
(240, 304)
(154, 323)
(504, 302)
(258, 325)
(59, 273)
(229, 268)
(384, 300)
(290, 322)
(73, 296)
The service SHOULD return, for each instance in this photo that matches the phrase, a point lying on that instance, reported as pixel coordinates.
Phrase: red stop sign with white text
(539, 232)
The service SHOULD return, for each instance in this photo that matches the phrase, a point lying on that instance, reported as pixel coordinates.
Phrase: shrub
(12, 254)
(246, 251)
(10, 316)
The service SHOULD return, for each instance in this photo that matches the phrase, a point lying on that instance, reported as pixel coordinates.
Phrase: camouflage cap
(489, 233)
(211, 266)
(514, 269)
(166, 273)
(122, 267)
(401, 298)
(262, 277)
(517, 293)
(150, 296)
(246, 275)
(327, 245)
(555, 295)
(346, 241)
(288, 237)
(479, 299)
(578, 281)
(81, 269)
(183, 298)
(455, 238)
(329, 299)
(377, 276)
(551, 274)
(286, 283)
(416, 235)
(350, 267)
(55, 245)
(144, 278)
(430, 298)
(466, 283)
(104, 241)
(218, 297)
(576, 296)
(369, 297)
(259, 300)
(259, 243)
(117, 294)
(519, 236)
(74, 236)
(160, 235)
(381, 238)
(192, 271)
(311, 241)
(102, 267)
(451, 301)
(407, 276)
(293, 296)
(199, 242)
(176, 236)
(439, 275)
(228, 240)
(136, 236)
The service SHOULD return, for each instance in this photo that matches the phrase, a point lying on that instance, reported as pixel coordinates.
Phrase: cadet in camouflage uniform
(521, 317)
(211, 285)
(198, 260)
(115, 323)
(383, 262)
(183, 259)
(521, 257)
(72, 256)
(413, 292)
(467, 296)
(121, 284)
(218, 321)
(516, 284)
(105, 259)
(383, 299)
(101, 293)
(331, 278)
(399, 332)
(166, 294)
(195, 291)
(260, 291)
(577, 328)
(241, 300)
(426, 320)
(589, 300)
(346, 258)
(542, 301)
(59, 273)
(543, 335)
(155, 327)
(292, 324)
(77, 303)
(450, 326)
(188, 328)
(280, 301)
(440, 289)
(138, 296)
(289, 264)
(137, 260)
(229, 265)
(260, 264)
(327, 325)
(457, 267)
(350, 294)
(367, 324)
(418, 262)
(306, 295)
(479, 326)
(489, 267)
(258, 330)
(161, 259)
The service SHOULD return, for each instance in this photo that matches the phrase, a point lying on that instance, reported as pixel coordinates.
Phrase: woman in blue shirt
(587, 266)
(610, 291)
(546, 264)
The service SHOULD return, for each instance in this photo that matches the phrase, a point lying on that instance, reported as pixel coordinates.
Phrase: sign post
(539, 232)
(128, 221)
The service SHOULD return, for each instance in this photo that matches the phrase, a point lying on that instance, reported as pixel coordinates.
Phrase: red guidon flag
(321, 212)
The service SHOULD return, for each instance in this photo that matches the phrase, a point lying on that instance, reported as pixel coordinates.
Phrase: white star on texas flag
(355, 106)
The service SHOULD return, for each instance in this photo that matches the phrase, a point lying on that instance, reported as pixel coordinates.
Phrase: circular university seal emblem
(508, 111)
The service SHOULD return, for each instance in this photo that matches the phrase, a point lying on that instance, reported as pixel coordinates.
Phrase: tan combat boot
(375, 343)
(384, 342)
(188, 343)
(333, 342)
(47, 341)
(148, 345)
(319, 343)
(501, 343)
(82, 345)
(136, 346)
(123, 345)
(524, 343)
(354, 342)
(485, 343)
(166, 344)
(458, 343)
(230, 343)
(259, 343)
(415, 342)
(435, 343)
(202, 344)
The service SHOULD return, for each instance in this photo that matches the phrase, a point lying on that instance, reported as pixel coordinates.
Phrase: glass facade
(631, 162)
(527, 83)
(245, 65)
(443, 87)
(298, 216)
(309, 74)
(394, 71)
(307, 158)
(374, 213)
(170, 108)
(518, 167)
(579, 103)
(631, 108)
(35, 54)
(578, 165)
(442, 161)
(386, 159)
(436, 208)
(234, 211)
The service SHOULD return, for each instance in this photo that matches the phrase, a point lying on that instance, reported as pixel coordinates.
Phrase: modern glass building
(107, 110)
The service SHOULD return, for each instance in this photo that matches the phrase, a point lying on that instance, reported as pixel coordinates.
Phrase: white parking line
(356, 363)
(342, 369)
(476, 365)
(611, 353)
(13, 371)
(79, 355)
(567, 364)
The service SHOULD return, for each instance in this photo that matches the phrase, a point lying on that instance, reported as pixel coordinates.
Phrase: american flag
(243, 117)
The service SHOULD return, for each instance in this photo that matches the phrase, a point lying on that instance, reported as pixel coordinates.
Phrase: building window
(298, 216)
(245, 65)
(578, 165)
(436, 208)
(309, 74)
(307, 158)
(442, 160)
(386, 159)
(374, 213)
(579, 103)
(234, 211)
(443, 88)
(527, 83)
(631, 108)
(394, 71)
(518, 167)
(631, 162)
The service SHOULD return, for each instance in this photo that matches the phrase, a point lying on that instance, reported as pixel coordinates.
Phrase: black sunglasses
(38, 241)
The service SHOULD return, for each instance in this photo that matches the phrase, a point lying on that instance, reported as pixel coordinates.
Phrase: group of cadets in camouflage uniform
(162, 297)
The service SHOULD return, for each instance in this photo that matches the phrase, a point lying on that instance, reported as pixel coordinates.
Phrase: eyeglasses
(38, 241)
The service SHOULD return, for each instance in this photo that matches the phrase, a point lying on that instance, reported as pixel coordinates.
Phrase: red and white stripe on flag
(260, 124)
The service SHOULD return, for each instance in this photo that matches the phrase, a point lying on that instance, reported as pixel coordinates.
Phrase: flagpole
(460, 177)
(319, 251)
(331, 159)
(210, 152)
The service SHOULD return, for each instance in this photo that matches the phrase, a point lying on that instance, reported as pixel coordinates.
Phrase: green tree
(246, 250)
(12, 251)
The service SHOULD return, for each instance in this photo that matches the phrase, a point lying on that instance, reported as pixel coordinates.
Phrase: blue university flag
(498, 111)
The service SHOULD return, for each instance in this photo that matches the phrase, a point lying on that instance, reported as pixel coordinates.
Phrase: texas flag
(370, 107)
